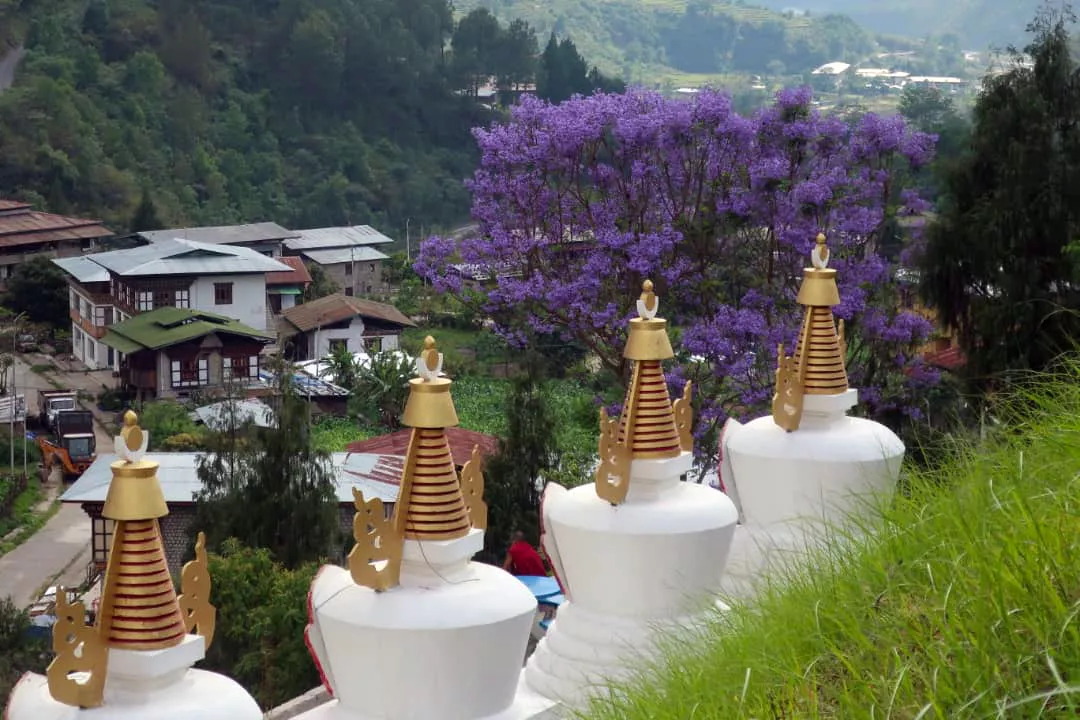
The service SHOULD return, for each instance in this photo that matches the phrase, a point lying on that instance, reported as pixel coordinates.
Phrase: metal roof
(297, 275)
(186, 257)
(223, 234)
(372, 475)
(20, 226)
(333, 256)
(213, 415)
(83, 269)
(337, 307)
(167, 326)
(336, 237)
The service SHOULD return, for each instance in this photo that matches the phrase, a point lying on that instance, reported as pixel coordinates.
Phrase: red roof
(948, 359)
(299, 274)
(461, 442)
(19, 225)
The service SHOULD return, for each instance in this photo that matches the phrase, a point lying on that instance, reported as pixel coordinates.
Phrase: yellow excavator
(74, 448)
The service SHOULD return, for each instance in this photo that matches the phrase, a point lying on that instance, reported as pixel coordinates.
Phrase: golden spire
(433, 502)
(139, 607)
(818, 366)
(650, 427)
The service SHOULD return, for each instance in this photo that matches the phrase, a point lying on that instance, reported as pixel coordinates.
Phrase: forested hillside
(636, 39)
(978, 23)
(300, 111)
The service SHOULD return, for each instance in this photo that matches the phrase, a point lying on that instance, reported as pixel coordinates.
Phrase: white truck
(53, 402)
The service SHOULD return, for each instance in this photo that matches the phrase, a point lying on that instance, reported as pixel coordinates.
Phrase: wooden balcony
(95, 331)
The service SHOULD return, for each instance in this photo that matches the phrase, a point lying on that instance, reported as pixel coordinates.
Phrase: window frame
(223, 293)
(189, 373)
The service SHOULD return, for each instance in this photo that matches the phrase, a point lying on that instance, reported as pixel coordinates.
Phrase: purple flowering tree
(577, 203)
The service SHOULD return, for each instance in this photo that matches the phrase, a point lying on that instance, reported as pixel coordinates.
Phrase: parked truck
(53, 402)
(75, 446)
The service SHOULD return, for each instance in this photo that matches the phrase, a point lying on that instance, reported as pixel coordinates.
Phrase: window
(338, 344)
(163, 298)
(146, 300)
(182, 298)
(373, 345)
(190, 372)
(103, 316)
(243, 366)
(371, 267)
(73, 303)
(348, 270)
(102, 529)
(348, 291)
(223, 293)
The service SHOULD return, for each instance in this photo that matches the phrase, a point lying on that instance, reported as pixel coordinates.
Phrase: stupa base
(585, 652)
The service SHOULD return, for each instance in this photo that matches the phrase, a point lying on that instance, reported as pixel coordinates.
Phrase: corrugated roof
(83, 269)
(461, 442)
(356, 253)
(168, 326)
(337, 307)
(336, 237)
(223, 234)
(186, 257)
(297, 274)
(214, 415)
(373, 475)
(19, 225)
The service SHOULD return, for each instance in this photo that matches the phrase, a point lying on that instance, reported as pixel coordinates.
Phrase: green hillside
(646, 40)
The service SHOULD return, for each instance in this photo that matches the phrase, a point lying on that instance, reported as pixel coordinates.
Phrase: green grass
(24, 521)
(335, 434)
(964, 604)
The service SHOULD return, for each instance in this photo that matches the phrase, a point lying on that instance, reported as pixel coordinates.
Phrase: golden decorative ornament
(78, 649)
(199, 615)
(613, 473)
(819, 364)
(376, 542)
(683, 411)
(472, 487)
(430, 505)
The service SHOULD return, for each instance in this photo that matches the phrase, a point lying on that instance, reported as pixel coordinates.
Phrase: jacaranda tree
(578, 203)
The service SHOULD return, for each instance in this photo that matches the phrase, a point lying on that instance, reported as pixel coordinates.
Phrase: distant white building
(833, 68)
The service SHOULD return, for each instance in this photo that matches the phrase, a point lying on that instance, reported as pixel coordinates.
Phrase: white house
(110, 287)
(317, 328)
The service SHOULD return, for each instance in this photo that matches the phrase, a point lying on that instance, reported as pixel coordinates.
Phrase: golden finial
(79, 649)
(818, 366)
(376, 542)
(134, 440)
(648, 301)
(472, 487)
(199, 615)
(431, 358)
(684, 418)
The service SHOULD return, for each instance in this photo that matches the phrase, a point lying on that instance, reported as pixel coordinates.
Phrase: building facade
(349, 256)
(320, 327)
(26, 233)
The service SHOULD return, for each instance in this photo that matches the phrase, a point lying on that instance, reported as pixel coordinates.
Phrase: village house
(285, 289)
(173, 352)
(265, 238)
(347, 255)
(110, 287)
(27, 233)
(317, 328)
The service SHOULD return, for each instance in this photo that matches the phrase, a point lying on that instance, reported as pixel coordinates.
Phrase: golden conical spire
(650, 427)
(818, 366)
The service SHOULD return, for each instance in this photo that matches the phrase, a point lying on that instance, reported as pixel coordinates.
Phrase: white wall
(353, 335)
(249, 298)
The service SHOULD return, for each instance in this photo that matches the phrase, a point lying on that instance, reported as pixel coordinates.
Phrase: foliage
(164, 419)
(261, 611)
(720, 211)
(382, 387)
(564, 73)
(512, 476)
(343, 367)
(334, 434)
(183, 442)
(38, 287)
(269, 487)
(970, 581)
(931, 111)
(321, 284)
(146, 214)
(19, 652)
(1001, 262)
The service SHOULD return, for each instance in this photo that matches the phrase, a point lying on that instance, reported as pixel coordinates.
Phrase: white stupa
(136, 661)
(414, 630)
(640, 551)
(808, 465)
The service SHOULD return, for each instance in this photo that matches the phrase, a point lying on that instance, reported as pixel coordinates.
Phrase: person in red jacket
(522, 558)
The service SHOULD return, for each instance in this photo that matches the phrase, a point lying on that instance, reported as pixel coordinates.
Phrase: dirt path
(8, 64)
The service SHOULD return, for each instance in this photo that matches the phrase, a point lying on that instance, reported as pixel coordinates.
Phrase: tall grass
(964, 603)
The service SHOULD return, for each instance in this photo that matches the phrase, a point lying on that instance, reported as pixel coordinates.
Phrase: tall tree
(1001, 261)
(38, 288)
(516, 56)
(146, 215)
(269, 487)
(476, 46)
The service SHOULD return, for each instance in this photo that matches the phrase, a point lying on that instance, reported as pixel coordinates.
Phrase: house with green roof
(172, 352)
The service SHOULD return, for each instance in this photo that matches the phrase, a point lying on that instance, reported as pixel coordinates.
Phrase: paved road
(30, 567)
(8, 63)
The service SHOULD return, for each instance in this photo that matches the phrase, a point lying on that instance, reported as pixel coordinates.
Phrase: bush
(163, 419)
(960, 602)
(19, 652)
(183, 442)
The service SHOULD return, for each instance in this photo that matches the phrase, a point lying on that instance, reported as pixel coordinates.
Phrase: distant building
(27, 233)
(347, 255)
(110, 287)
(317, 328)
(285, 289)
(265, 238)
(941, 83)
(833, 68)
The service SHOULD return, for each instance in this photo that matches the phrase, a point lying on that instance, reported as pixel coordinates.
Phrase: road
(8, 63)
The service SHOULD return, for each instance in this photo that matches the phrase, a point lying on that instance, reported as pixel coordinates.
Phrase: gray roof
(186, 257)
(83, 269)
(223, 234)
(179, 480)
(213, 416)
(336, 237)
(344, 255)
